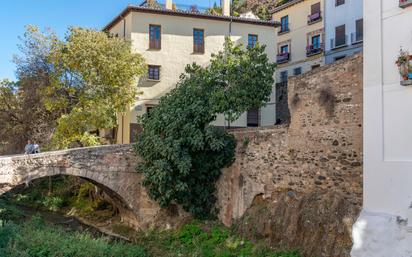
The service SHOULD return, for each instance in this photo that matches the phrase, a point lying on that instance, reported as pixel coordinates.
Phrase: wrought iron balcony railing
(315, 17)
(283, 58)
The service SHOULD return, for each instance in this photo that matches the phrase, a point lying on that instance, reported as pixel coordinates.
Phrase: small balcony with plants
(312, 50)
(314, 17)
(282, 58)
(405, 3)
(404, 63)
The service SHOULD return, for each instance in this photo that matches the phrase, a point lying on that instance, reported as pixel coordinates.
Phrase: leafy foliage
(183, 154)
(205, 240)
(72, 88)
(92, 82)
(35, 239)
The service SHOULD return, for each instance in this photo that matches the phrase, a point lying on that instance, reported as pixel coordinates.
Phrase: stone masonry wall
(300, 186)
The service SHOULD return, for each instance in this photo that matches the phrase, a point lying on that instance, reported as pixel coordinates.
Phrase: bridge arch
(110, 167)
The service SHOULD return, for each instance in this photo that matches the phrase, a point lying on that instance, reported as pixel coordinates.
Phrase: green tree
(93, 80)
(183, 154)
(23, 114)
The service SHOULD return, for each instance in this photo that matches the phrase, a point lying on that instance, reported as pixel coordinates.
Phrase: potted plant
(403, 64)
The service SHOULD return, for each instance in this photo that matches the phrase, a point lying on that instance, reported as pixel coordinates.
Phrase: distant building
(343, 28)
(301, 37)
(169, 38)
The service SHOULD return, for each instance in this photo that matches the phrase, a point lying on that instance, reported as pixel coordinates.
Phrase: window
(339, 2)
(198, 41)
(149, 109)
(340, 36)
(155, 37)
(284, 76)
(284, 49)
(340, 57)
(315, 8)
(253, 117)
(154, 72)
(297, 71)
(316, 42)
(315, 66)
(284, 24)
(359, 30)
(252, 40)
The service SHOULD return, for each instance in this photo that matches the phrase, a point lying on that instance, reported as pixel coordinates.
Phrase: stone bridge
(112, 168)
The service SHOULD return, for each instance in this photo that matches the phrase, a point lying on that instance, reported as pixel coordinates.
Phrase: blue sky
(57, 15)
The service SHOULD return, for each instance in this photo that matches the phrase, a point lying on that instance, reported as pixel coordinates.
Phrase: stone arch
(111, 167)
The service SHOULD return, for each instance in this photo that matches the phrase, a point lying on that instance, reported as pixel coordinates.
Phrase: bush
(34, 239)
(183, 154)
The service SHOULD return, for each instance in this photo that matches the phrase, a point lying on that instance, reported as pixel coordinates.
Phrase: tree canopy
(69, 89)
(183, 154)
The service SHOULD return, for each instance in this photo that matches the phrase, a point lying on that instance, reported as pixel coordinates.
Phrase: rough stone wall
(282, 107)
(300, 186)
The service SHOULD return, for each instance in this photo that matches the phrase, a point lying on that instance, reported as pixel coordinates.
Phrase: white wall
(384, 227)
(346, 14)
(177, 50)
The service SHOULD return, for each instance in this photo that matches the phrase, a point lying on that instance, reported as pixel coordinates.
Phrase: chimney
(169, 4)
(225, 4)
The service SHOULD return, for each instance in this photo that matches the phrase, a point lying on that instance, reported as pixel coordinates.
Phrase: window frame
(198, 48)
(149, 73)
(297, 69)
(284, 27)
(255, 40)
(154, 43)
(282, 47)
(319, 42)
(339, 2)
(344, 35)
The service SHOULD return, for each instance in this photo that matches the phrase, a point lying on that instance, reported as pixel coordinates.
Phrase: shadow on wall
(300, 185)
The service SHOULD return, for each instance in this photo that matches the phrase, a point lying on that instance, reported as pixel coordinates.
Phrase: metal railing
(339, 42)
(282, 57)
(356, 37)
(312, 18)
(314, 49)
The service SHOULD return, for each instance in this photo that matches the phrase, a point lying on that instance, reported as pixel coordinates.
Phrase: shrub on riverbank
(35, 239)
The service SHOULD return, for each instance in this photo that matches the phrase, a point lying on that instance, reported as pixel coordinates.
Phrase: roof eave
(129, 9)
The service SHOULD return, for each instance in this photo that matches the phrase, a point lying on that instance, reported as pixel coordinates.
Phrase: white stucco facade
(384, 228)
(177, 51)
(345, 14)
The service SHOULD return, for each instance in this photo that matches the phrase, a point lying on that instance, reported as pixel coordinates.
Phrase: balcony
(282, 58)
(356, 38)
(336, 43)
(314, 50)
(405, 3)
(284, 29)
(313, 18)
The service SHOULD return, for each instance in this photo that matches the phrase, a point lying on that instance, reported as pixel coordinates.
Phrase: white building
(170, 38)
(343, 28)
(384, 228)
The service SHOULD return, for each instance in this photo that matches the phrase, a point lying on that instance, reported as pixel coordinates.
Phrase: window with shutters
(252, 40)
(284, 24)
(359, 30)
(253, 117)
(340, 36)
(297, 71)
(198, 41)
(339, 2)
(315, 8)
(154, 72)
(155, 37)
